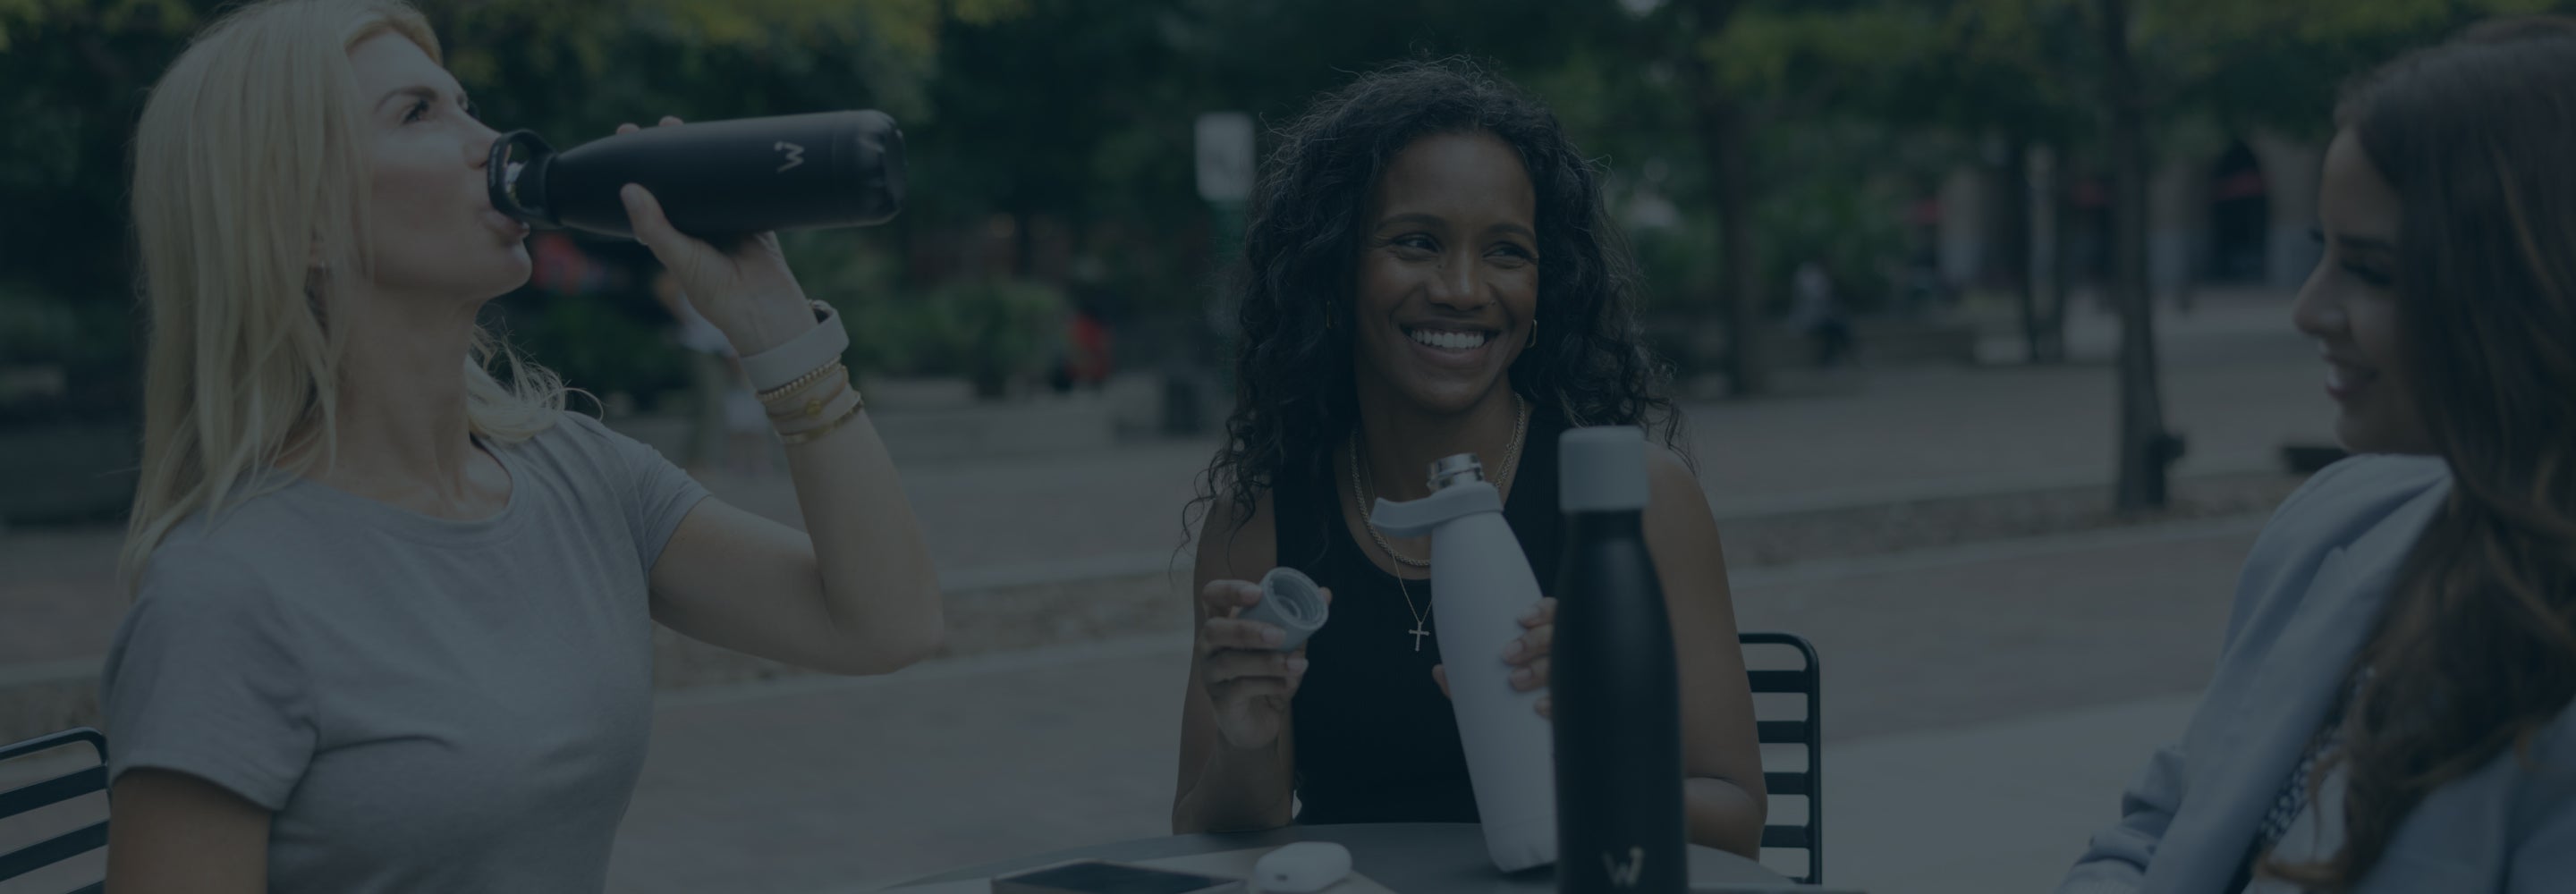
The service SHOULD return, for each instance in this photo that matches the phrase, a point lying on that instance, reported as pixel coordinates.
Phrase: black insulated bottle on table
(714, 179)
(1612, 687)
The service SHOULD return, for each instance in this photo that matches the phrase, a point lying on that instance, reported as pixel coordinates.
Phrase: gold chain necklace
(1359, 491)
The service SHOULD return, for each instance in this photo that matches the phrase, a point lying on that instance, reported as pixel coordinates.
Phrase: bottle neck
(1456, 469)
(1605, 522)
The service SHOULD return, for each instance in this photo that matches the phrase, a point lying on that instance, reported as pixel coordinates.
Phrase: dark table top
(1412, 858)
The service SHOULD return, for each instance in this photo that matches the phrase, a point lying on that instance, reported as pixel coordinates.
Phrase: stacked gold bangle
(813, 405)
(802, 381)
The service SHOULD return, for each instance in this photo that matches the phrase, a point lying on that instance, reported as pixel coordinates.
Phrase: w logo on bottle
(1625, 875)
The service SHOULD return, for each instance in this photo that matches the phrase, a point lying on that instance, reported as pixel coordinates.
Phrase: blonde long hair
(248, 169)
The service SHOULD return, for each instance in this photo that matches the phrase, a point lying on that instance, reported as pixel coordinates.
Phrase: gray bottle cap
(1291, 602)
(1456, 468)
(1601, 469)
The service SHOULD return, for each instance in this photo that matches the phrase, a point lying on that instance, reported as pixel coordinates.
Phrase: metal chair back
(50, 791)
(1807, 732)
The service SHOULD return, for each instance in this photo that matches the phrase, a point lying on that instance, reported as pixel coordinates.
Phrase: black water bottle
(715, 179)
(1612, 686)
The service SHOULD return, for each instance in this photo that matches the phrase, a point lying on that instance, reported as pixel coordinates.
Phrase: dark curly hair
(1295, 394)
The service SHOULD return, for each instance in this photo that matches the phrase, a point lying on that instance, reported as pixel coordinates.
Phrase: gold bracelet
(801, 381)
(826, 428)
(813, 406)
(827, 408)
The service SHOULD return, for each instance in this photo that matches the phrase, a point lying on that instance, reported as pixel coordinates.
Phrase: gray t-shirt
(424, 704)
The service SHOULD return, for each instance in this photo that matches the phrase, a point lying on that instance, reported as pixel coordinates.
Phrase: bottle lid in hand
(1291, 602)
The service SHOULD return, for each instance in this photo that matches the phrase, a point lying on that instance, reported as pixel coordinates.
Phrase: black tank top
(1376, 741)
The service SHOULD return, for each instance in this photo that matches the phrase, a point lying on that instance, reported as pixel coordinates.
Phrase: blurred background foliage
(1051, 157)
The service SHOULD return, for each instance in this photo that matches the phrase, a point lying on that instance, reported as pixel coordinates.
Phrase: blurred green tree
(1731, 74)
(76, 75)
(1771, 130)
(1084, 120)
(2165, 63)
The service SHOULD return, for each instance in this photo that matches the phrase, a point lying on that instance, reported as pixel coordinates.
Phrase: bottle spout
(1415, 518)
(1456, 468)
(517, 188)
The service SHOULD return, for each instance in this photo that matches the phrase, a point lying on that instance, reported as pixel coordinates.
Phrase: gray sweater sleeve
(2115, 861)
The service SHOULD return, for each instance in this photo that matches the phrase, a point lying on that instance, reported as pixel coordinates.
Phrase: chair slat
(1780, 732)
(53, 850)
(1778, 681)
(1797, 784)
(1785, 837)
(53, 791)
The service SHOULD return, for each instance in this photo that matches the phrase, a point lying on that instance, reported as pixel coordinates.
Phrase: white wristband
(800, 355)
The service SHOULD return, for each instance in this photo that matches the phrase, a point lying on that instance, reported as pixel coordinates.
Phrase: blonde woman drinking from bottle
(393, 616)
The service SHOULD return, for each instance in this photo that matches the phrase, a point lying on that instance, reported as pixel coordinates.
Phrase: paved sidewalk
(2048, 657)
(1970, 661)
(2001, 806)
(2237, 383)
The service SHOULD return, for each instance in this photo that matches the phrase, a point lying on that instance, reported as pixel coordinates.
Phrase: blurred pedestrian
(1818, 312)
(710, 372)
(1090, 360)
(727, 427)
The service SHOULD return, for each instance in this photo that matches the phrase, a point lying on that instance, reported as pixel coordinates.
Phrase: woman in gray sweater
(2392, 709)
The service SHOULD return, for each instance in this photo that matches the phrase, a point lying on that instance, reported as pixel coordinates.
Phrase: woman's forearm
(1238, 790)
(879, 586)
(1722, 815)
(178, 832)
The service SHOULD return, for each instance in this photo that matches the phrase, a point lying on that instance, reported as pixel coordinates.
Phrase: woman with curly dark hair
(1428, 270)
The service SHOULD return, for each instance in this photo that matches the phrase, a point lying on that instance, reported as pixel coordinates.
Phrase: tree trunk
(1742, 299)
(2145, 448)
(1724, 139)
(2018, 231)
(2061, 265)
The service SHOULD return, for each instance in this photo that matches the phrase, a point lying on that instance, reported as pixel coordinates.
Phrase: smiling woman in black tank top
(1427, 271)
(1376, 740)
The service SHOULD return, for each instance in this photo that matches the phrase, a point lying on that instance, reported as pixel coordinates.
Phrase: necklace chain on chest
(1360, 494)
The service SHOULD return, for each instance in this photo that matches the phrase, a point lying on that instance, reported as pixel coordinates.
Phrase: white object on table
(1305, 867)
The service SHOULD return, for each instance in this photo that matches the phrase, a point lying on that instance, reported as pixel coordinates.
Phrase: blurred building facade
(2237, 211)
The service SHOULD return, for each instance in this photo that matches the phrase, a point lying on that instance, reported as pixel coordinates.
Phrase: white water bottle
(1481, 585)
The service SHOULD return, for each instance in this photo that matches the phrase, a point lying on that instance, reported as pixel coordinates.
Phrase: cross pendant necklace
(1359, 497)
(1418, 632)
